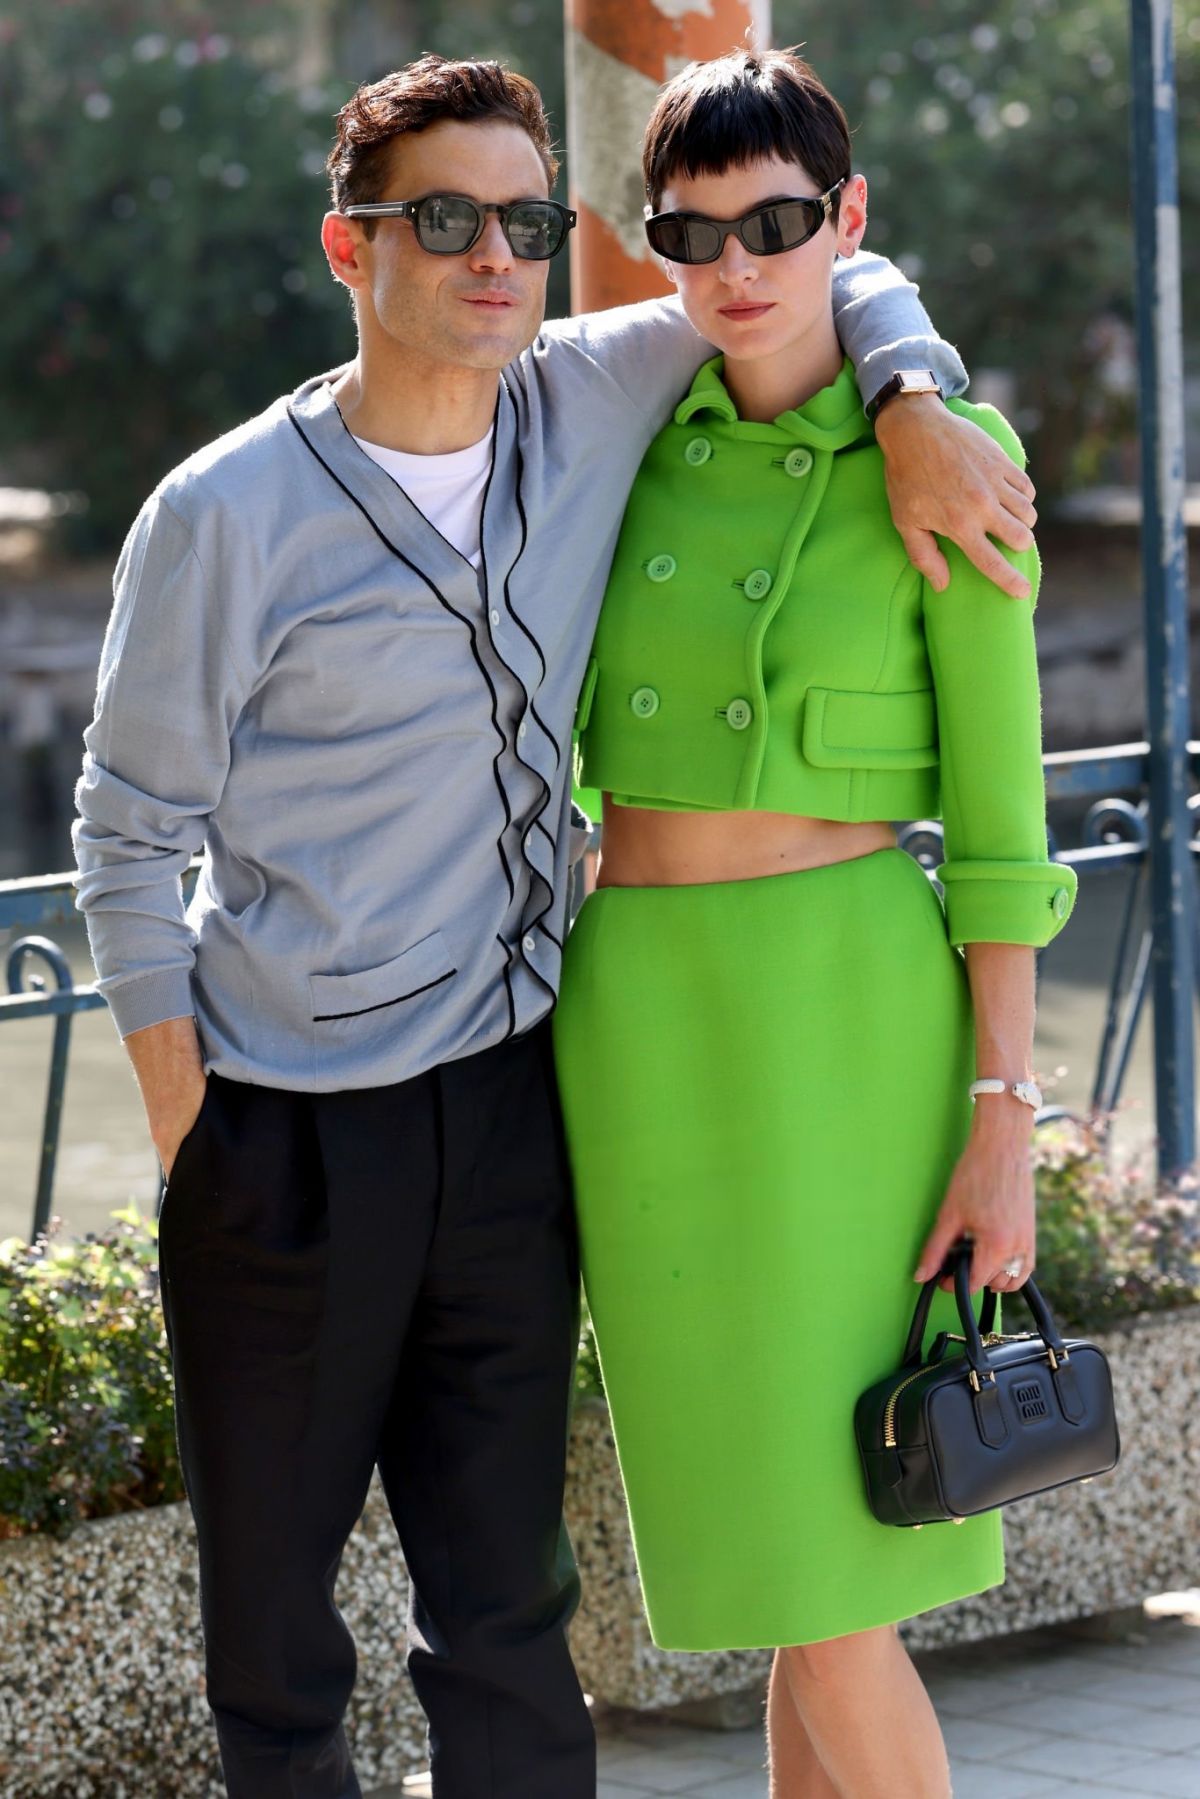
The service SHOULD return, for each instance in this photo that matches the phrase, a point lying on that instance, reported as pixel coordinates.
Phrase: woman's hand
(946, 475)
(990, 1198)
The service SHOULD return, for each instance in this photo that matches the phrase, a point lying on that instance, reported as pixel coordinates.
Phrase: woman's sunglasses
(765, 230)
(449, 224)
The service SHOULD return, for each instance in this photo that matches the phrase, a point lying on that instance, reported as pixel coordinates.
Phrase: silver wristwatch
(1028, 1092)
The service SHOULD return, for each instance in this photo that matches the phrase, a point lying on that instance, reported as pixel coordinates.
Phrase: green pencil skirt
(765, 1091)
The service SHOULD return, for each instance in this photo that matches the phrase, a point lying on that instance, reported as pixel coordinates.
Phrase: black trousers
(384, 1277)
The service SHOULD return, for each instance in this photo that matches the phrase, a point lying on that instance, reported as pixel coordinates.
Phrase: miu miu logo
(1031, 1401)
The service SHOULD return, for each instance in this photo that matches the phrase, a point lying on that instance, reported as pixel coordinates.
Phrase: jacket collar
(831, 420)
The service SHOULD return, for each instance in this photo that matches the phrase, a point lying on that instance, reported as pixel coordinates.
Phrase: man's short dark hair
(411, 99)
(741, 109)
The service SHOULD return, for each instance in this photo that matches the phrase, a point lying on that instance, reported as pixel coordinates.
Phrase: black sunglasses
(765, 230)
(449, 224)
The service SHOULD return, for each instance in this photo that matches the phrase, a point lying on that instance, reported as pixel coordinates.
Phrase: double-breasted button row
(797, 462)
(756, 585)
(644, 703)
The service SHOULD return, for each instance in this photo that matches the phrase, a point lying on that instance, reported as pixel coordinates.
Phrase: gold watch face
(917, 381)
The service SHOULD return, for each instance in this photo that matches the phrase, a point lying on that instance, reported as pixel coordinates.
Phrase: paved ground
(1109, 1708)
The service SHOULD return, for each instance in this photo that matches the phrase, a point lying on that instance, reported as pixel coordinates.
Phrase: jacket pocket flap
(870, 730)
(427, 964)
(583, 710)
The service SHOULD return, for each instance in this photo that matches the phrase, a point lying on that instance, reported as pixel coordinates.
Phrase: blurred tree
(996, 144)
(160, 192)
(161, 184)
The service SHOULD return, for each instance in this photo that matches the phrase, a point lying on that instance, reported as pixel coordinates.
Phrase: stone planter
(101, 1666)
(101, 1671)
(1083, 1550)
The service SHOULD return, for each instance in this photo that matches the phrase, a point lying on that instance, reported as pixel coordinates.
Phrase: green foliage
(1111, 1240)
(996, 145)
(162, 278)
(86, 1421)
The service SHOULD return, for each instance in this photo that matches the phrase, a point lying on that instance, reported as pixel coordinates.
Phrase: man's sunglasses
(449, 224)
(765, 230)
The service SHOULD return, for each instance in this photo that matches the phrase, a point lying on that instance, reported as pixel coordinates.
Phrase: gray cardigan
(369, 739)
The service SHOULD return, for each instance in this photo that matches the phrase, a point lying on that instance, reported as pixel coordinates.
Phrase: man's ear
(669, 272)
(343, 243)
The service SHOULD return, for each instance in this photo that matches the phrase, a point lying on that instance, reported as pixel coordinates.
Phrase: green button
(1061, 903)
(698, 452)
(660, 568)
(798, 462)
(644, 702)
(757, 584)
(738, 714)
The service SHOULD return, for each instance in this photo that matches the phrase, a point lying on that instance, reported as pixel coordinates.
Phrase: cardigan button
(698, 452)
(757, 584)
(738, 714)
(644, 702)
(798, 461)
(661, 568)
(1060, 905)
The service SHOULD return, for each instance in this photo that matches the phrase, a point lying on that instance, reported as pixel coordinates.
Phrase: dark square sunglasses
(764, 230)
(449, 224)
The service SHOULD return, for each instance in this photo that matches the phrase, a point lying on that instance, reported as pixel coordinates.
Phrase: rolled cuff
(1007, 902)
(147, 999)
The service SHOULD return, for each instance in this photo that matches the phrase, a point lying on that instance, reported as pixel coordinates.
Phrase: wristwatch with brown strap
(904, 381)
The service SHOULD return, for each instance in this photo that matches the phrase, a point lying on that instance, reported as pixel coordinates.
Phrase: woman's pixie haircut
(411, 99)
(740, 109)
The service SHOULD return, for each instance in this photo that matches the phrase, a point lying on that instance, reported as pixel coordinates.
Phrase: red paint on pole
(619, 52)
(601, 271)
(645, 37)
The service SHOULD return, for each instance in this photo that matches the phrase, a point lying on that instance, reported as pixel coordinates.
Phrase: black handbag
(958, 1433)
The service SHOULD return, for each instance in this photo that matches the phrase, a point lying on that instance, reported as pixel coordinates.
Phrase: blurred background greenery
(161, 186)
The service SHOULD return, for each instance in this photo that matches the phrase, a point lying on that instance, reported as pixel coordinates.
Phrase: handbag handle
(958, 1263)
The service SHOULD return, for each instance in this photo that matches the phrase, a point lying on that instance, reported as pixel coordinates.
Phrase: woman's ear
(852, 216)
(669, 272)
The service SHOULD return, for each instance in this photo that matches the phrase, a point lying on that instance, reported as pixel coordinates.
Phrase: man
(343, 660)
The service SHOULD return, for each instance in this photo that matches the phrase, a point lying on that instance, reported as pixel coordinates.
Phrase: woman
(767, 1033)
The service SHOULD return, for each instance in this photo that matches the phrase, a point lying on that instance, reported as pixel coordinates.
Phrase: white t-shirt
(447, 489)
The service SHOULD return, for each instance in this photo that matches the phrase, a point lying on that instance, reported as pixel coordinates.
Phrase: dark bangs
(741, 109)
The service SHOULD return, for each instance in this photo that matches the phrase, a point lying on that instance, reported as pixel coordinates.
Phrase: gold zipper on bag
(990, 1339)
(889, 1411)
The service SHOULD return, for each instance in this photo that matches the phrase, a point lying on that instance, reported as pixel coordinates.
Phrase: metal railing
(1114, 837)
(41, 902)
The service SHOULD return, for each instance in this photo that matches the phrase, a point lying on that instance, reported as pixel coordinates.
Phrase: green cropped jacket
(766, 645)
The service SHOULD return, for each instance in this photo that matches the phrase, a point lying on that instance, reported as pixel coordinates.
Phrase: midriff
(644, 848)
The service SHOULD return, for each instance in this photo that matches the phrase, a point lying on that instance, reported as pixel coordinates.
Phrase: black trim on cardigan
(329, 1017)
(436, 591)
